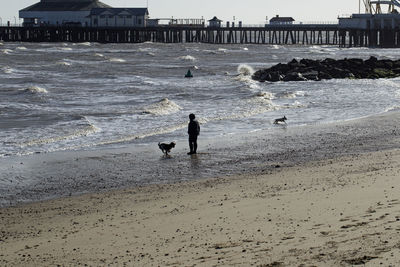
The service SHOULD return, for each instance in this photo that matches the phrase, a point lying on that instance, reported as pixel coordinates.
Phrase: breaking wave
(6, 51)
(84, 131)
(63, 63)
(35, 90)
(245, 70)
(7, 70)
(21, 48)
(163, 107)
(187, 58)
(118, 60)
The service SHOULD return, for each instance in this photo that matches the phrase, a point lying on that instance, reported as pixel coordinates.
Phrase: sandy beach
(329, 197)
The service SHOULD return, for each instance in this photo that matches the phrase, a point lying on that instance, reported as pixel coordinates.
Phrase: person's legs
(191, 146)
(194, 146)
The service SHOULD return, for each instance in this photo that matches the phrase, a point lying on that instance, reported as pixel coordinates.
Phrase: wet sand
(322, 195)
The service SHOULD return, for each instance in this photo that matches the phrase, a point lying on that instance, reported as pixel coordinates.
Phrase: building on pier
(88, 13)
(375, 17)
(118, 17)
(214, 22)
(281, 20)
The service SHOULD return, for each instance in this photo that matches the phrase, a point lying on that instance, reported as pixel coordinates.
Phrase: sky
(249, 12)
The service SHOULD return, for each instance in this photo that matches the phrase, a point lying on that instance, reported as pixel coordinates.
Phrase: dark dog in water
(283, 119)
(166, 148)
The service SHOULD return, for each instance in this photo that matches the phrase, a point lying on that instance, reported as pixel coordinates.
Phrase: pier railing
(290, 34)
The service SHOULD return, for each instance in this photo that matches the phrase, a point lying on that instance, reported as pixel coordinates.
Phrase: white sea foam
(98, 55)
(6, 51)
(287, 95)
(35, 90)
(117, 60)
(63, 63)
(265, 95)
(245, 49)
(85, 44)
(85, 131)
(7, 70)
(222, 50)
(245, 70)
(276, 47)
(163, 107)
(21, 48)
(65, 48)
(392, 108)
(187, 58)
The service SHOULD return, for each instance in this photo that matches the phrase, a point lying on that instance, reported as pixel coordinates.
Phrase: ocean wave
(7, 70)
(245, 70)
(65, 48)
(117, 60)
(87, 129)
(265, 95)
(98, 55)
(187, 58)
(35, 90)
(6, 51)
(163, 107)
(392, 108)
(63, 63)
(84, 44)
(21, 48)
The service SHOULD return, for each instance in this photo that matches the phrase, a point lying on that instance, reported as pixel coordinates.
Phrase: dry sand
(334, 212)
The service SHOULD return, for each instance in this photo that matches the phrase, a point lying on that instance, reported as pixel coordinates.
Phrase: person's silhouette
(194, 132)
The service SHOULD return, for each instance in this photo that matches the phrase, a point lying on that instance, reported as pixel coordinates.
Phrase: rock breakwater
(315, 70)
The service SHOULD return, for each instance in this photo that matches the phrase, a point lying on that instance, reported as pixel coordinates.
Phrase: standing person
(193, 131)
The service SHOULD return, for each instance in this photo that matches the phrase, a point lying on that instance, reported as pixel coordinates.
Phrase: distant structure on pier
(376, 16)
(214, 22)
(89, 13)
(281, 20)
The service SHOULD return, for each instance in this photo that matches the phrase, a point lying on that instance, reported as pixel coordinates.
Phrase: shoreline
(60, 174)
(336, 212)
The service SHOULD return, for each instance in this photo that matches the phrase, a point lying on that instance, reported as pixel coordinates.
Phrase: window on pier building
(139, 21)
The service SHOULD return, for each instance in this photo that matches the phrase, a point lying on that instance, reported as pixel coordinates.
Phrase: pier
(295, 34)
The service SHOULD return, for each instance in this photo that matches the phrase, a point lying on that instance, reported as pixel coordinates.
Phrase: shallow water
(64, 96)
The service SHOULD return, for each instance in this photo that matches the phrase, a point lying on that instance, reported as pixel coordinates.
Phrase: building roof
(116, 11)
(66, 5)
(281, 19)
(215, 19)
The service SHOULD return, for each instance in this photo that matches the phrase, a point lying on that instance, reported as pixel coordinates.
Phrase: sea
(89, 96)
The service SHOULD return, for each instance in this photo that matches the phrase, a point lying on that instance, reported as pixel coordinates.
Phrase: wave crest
(118, 60)
(35, 90)
(163, 107)
(6, 51)
(187, 58)
(245, 70)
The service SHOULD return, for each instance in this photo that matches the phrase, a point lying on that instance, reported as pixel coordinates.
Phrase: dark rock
(348, 68)
(294, 76)
(311, 75)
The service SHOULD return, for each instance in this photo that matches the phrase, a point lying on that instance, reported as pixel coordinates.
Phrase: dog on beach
(283, 119)
(166, 148)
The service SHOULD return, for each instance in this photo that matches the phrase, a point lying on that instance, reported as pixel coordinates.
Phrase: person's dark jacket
(194, 128)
